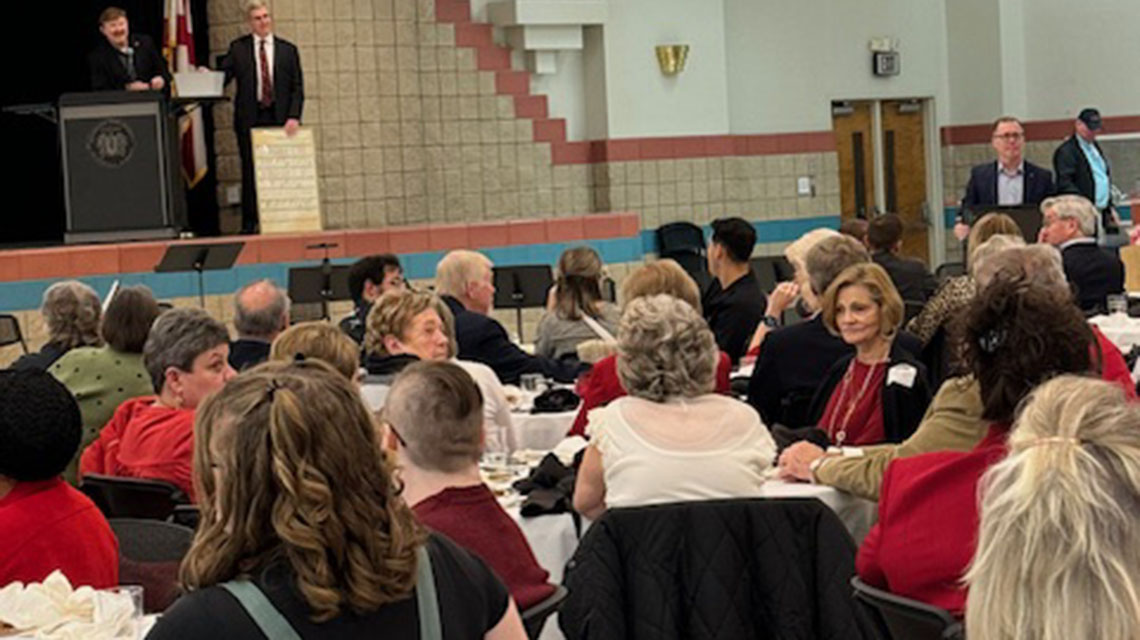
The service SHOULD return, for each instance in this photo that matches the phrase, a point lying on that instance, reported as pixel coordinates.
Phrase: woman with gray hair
(1058, 521)
(671, 439)
(71, 311)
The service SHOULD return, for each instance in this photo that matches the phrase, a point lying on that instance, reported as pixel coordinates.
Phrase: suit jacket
(288, 84)
(982, 189)
(913, 280)
(1094, 273)
(483, 339)
(928, 524)
(1074, 175)
(108, 73)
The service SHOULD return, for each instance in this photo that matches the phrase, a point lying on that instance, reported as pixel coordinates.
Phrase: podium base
(126, 235)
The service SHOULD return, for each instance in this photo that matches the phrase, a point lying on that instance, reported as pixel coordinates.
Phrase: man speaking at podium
(126, 60)
(269, 93)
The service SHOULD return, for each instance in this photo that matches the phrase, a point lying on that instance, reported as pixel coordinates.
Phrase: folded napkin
(54, 610)
(549, 488)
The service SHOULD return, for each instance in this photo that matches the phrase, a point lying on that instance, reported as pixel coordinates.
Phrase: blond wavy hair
(72, 312)
(288, 468)
(318, 340)
(1058, 552)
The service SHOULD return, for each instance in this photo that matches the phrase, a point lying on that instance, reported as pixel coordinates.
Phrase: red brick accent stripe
(1034, 130)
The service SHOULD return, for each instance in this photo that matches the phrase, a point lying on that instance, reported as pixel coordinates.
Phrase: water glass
(1117, 304)
(532, 382)
(135, 593)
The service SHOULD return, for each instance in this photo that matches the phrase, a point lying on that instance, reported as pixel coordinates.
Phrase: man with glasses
(1009, 181)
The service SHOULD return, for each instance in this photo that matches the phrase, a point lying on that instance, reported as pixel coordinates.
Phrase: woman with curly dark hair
(304, 533)
(1018, 333)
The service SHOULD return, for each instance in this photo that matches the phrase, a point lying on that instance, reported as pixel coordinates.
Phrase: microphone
(322, 245)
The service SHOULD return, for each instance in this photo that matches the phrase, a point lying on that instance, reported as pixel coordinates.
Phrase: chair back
(948, 270)
(912, 308)
(150, 553)
(534, 618)
(684, 242)
(10, 331)
(131, 497)
(899, 618)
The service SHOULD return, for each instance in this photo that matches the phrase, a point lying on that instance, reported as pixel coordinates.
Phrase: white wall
(565, 93)
(974, 60)
(788, 60)
(641, 101)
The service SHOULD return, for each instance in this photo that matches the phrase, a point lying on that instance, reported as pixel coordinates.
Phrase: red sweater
(145, 440)
(601, 386)
(48, 525)
(928, 524)
(473, 518)
(1113, 366)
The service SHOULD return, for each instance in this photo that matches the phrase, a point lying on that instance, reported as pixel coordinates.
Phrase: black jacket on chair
(913, 280)
(288, 85)
(982, 189)
(903, 407)
(717, 569)
(1094, 273)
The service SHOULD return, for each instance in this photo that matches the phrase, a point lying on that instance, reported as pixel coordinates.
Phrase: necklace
(839, 435)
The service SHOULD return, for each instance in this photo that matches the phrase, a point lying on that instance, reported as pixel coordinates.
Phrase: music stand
(199, 258)
(522, 287)
(323, 284)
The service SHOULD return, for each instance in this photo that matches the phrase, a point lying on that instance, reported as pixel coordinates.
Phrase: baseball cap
(1091, 118)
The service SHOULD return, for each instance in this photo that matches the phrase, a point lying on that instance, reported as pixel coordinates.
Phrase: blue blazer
(982, 189)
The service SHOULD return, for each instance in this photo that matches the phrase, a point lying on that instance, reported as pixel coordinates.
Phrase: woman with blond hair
(304, 533)
(1059, 521)
(320, 341)
(71, 312)
(575, 309)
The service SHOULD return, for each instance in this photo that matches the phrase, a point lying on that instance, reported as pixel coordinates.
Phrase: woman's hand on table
(795, 462)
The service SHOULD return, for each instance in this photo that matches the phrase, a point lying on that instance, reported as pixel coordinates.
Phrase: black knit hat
(40, 426)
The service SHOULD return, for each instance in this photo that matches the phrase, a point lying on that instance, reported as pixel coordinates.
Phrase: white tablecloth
(540, 431)
(1121, 330)
(553, 540)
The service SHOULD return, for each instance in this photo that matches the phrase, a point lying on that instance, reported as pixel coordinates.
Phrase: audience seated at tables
(102, 378)
(405, 327)
(434, 416)
(299, 507)
(601, 384)
(368, 279)
(45, 524)
(953, 422)
(153, 436)
(911, 278)
(879, 393)
(1018, 334)
(733, 304)
(1069, 223)
(954, 294)
(321, 341)
(1058, 547)
(575, 308)
(794, 360)
(464, 280)
(671, 439)
(71, 312)
(261, 312)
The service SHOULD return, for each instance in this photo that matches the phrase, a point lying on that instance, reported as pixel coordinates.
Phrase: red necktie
(266, 98)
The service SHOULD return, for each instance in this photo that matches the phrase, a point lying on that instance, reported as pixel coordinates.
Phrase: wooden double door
(888, 174)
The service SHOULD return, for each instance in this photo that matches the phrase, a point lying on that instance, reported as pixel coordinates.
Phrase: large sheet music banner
(285, 169)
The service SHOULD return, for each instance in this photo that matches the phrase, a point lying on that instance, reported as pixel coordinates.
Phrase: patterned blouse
(951, 297)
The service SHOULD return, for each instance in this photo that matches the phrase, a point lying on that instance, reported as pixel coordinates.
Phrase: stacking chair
(132, 497)
(684, 242)
(149, 555)
(899, 618)
(10, 331)
(534, 618)
(948, 270)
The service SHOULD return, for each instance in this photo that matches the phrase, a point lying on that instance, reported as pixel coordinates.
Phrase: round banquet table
(540, 431)
(1121, 330)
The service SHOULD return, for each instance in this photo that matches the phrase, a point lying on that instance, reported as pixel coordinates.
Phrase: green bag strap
(426, 597)
(265, 615)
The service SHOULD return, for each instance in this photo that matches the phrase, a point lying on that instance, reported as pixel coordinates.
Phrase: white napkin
(53, 610)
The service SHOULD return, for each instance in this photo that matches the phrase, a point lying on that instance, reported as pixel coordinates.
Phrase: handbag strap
(597, 328)
(274, 625)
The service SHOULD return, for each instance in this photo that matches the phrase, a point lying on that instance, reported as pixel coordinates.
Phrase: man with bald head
(261, 312)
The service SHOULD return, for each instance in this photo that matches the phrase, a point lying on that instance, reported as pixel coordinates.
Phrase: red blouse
(854, 412)
(48, 525)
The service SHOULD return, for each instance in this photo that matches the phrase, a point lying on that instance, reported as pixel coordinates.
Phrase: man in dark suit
(465, 282)
(911, 277)
(270, 93)
(1010, 180)
(125, 61)
(1069, 223)
(1082, 168)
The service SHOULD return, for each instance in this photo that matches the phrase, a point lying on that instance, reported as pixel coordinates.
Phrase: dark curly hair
(39, 426)
(1017, 334)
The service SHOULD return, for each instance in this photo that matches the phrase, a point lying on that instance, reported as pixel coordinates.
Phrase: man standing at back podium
(269, 93)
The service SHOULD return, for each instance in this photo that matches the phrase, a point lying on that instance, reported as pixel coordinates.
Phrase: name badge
(902, 374)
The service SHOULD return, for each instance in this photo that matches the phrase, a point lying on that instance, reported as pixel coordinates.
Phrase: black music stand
(522, 287)
(199, 258)
(324, 284)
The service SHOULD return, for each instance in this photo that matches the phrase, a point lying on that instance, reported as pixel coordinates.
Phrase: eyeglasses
(1010, 137)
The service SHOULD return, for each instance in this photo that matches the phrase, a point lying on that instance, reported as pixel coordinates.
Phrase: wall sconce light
(671, 58)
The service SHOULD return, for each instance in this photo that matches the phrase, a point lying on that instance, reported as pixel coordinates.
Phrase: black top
(248, 353)
(1094, 273)
(40, 360)
(378, 365)
(109, 69)
(471, 601)
(913, 280)
(483, 339)
(982, 189)
(354, 324)
(733, 313)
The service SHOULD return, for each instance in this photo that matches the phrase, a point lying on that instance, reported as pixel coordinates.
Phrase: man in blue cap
(1082, 168)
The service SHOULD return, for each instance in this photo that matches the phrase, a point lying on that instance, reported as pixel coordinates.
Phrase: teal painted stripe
(766, 230)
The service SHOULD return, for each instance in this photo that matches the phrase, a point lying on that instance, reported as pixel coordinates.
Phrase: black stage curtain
(45, 54)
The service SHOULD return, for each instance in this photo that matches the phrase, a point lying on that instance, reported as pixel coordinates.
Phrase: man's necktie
(266, 97)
